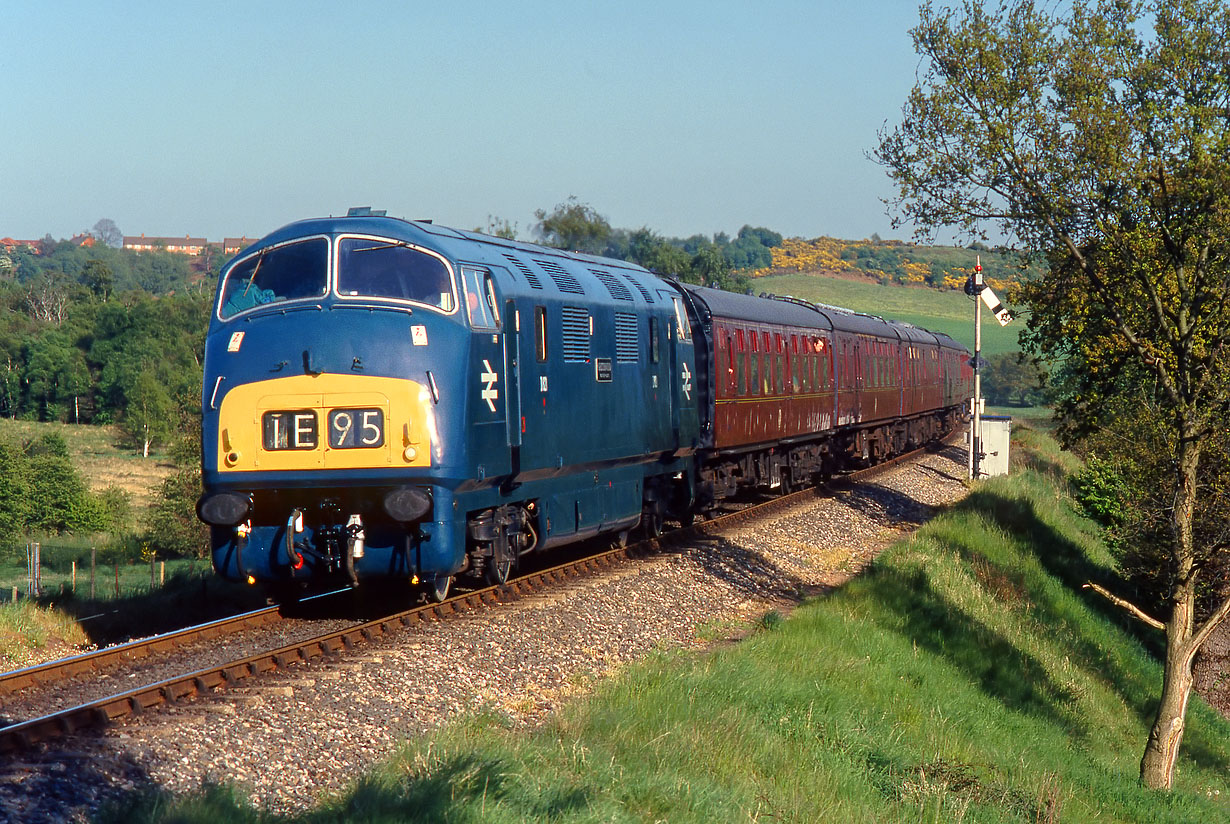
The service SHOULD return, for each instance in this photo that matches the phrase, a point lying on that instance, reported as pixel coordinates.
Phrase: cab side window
(480, 298)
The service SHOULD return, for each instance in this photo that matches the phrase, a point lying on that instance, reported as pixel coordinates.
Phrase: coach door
(847, 397)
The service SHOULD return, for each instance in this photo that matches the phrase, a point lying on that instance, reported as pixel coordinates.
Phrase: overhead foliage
(717, 261)
(1098, 134)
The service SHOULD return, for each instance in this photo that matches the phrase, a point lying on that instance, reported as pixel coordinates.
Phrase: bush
(1102, 492)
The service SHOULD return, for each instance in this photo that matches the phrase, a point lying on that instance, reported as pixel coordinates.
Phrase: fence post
(38, 569)
(14, 593)
(30, 569)
(74, 576)
(151, 570)
(93, 566)
(162, 573)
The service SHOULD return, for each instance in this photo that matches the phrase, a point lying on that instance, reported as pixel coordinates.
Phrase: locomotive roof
(425, 231)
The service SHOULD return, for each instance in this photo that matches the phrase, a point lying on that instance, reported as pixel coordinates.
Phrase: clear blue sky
(229, 118)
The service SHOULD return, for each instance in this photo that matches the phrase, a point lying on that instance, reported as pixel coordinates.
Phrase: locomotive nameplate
(602, 368)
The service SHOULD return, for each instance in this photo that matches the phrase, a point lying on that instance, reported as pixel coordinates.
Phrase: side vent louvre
(562, 277)
(644, 292)
(576, 334)
(613, 285)
(627, 341)
(525, 270)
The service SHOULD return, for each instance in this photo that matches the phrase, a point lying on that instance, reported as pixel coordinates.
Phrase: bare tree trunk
(1162, 750)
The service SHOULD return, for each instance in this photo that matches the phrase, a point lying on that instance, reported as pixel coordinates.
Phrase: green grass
(103, 458)
(964, 677)
(183, 592)
(949, 312)
(26, 628)
(57, 572)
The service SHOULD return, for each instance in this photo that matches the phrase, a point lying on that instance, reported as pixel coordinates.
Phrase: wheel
(498, 570)
(438, 590)
(651, 522)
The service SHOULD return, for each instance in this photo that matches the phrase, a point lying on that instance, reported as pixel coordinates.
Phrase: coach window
(740, 364)
(540, 333)
(730, 363)
(794, 364)
(754, 366)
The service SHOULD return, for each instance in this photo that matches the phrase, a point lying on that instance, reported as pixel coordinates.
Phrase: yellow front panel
(405, 405)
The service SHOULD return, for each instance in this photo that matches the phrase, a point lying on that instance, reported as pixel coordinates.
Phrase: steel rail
(96, 660)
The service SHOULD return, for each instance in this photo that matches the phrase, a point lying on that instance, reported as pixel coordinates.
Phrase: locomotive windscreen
(292, 271)
(392, 270)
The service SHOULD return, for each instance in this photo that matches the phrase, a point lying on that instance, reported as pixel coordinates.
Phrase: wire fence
(88, 573)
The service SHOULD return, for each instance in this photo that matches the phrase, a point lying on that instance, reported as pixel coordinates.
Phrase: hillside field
(947, 311)
(102, 458)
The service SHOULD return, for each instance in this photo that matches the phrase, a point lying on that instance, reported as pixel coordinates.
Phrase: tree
(1099, 135)
(574, 226)
(14, 487)
(173, 526)
(499, 227)
(106, 231)
(1013, 379)
(97, 277)
(148, 415)
(47, 299)
(58, 499)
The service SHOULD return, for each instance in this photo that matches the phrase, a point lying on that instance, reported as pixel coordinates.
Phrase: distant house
(185, 245)
(85, 240)
(235, 245)
(33, 246)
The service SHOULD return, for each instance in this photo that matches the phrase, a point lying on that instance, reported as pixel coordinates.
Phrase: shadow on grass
(1066, 561)
(999, 668)
(184, 600)
(460, 783)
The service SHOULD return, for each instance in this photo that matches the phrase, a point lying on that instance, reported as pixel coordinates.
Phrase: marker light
(251, 579)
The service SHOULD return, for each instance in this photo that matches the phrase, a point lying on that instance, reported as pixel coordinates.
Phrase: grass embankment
(965, 676)
(950, 312)
(30, 633)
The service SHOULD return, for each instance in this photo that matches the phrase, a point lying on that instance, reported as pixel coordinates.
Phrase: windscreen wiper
(390, 245)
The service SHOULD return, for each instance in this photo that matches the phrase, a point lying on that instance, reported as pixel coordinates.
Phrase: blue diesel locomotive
(395, 400)
(388, 398)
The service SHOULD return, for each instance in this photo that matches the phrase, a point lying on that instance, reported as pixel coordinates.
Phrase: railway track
(18, 736)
